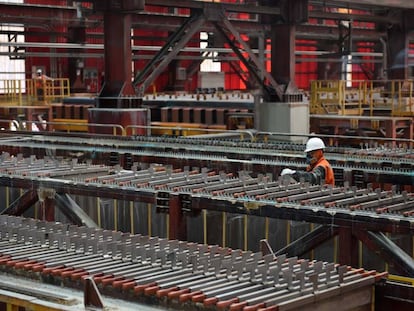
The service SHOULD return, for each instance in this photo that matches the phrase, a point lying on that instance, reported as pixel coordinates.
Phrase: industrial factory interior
(208, 155)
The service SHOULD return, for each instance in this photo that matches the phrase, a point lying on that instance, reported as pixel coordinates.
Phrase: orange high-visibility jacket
(329, 174)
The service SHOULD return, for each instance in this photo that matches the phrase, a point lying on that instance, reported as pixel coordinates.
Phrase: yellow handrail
(358, 97)
(33, 91)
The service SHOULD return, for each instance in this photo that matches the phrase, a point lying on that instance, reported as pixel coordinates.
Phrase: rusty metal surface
(177, 272)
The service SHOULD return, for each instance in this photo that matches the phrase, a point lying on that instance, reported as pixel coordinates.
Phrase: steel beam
(73, 211)
(23, 203)
(404, 4)
(379, 243)
(118, 59)
(227, 6)
(394, 296)
(43, 15)
(176, 42)
(271, 80)
(309, 241)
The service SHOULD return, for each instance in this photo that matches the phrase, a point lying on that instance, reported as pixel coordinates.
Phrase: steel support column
(283, 52)
(398, 44)
(348, 247)
(118, 60)
(178, 224)
(118, 52)
(49, 209)
(76, 34)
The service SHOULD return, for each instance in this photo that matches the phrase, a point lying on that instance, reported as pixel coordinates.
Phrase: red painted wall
(306, 70)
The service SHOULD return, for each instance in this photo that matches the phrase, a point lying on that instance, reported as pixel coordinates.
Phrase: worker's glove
(287, 171)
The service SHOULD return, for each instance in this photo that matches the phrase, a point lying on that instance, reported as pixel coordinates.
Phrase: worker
(319, 171)
(40, 84)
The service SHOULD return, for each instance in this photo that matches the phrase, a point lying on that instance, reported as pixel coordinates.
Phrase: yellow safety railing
(47, 90)
(11, 92)
(404, 105)
(33, 91)
(393, 97)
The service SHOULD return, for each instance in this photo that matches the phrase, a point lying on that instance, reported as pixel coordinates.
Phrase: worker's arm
(317, 176)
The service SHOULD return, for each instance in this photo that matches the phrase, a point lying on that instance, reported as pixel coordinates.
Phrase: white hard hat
(39, 70)
(314, 143)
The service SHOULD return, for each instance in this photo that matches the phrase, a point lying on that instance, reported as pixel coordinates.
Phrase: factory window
(209, 64)
(11, 57)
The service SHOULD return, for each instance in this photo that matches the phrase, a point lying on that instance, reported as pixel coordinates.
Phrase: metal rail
(378, 210)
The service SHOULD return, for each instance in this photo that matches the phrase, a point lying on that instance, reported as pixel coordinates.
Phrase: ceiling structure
(48, 17)
(335, 26)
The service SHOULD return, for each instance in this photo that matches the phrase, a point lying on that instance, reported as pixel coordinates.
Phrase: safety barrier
(369, 98)
(33, 91)
(11, 92)
(177, 128)
(47, 90)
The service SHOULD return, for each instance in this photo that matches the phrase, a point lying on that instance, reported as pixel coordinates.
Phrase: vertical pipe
(387, 268)
(131, 215)
(267, 228)
(335, 259)
(245, 233)
(167, 224)
(223, 218)
(288, 232)
(98, 211)
(312, 252)
(7, 197)
(204, 226)
(116, 215)
(149, 219)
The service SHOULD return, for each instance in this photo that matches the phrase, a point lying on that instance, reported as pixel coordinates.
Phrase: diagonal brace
(278, 88)
(169, 52)
(23, 203)
(73, 212)
(379, 243)
(309, 241)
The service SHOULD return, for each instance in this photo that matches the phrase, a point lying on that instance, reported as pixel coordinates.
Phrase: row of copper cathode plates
(168, 268)
(282, 153)
(159, 178)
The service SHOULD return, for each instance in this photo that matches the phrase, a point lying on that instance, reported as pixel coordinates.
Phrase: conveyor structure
(181, 193)
(203, 184)
(176, 274)
(382, 165)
